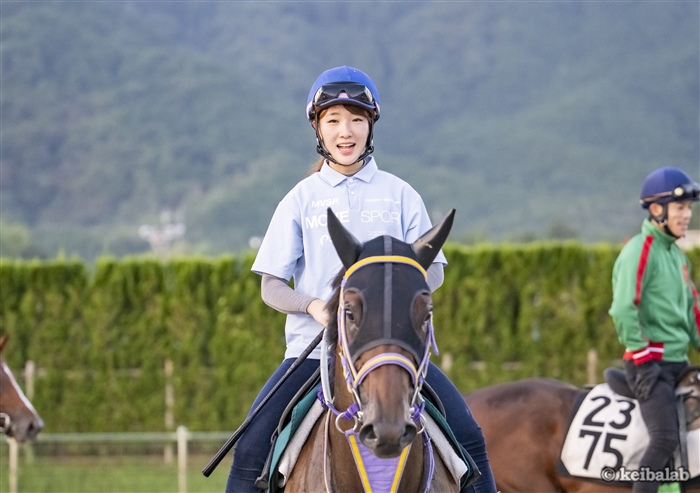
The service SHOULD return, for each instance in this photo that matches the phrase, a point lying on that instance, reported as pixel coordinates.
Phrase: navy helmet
(668, 184)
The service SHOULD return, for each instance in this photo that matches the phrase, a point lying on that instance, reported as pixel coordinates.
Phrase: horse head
(689, 387)
(385, 330)
(19, 418)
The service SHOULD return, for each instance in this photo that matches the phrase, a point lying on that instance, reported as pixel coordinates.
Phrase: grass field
(122, 474)
(125, 474)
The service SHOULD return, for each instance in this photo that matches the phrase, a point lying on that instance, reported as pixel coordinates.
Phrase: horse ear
(428, 245)
(347, 246)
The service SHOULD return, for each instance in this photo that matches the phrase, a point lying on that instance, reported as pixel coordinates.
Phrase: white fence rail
(182, 437)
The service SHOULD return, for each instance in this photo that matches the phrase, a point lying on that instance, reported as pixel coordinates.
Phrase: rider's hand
(647, 375)
(317, 309)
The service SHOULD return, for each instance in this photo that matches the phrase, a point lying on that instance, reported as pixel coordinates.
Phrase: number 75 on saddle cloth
(608, 431)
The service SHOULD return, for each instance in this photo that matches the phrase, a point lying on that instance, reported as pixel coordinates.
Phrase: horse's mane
(331, 335)
(332, 311)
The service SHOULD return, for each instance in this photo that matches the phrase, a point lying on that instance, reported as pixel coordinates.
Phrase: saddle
(617, 380)
(606, 431)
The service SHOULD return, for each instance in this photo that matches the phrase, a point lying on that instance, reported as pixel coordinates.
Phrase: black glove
(647, 375)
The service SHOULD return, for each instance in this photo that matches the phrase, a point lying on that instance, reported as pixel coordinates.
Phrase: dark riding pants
(659, 413)
(253, 447)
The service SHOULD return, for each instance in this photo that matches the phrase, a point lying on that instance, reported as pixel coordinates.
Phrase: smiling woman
(343, 131)
(342, 108)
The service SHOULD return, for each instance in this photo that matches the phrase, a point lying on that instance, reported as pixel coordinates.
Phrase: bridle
(354, 377)
(384, 321)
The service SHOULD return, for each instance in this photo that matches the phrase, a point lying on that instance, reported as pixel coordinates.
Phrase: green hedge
(503, 313)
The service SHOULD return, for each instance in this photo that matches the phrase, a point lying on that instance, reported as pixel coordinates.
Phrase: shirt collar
(333, 178)
(650, 229)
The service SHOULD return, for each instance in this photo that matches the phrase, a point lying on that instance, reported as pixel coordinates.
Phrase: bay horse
(19, 418)
(524, 424)
(380, 342)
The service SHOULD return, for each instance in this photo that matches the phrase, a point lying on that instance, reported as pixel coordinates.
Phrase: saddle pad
(296, 443)
(298, 416)
(452, 461)
(607, 431)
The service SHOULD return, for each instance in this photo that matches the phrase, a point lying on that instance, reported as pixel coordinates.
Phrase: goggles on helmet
(686, 191)
(353, 90)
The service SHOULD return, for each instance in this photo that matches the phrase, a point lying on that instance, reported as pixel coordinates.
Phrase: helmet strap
(321, 146)
(662, 220)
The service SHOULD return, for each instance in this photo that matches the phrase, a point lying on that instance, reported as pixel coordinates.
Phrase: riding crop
(237, 434)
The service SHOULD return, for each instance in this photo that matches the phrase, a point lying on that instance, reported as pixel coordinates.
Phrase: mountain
(531, 119)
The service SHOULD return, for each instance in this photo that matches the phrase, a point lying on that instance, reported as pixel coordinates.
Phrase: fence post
(29, 373)
(182, 459)
(592, 366)
(169, 404)
(29, 376)
(13, 463)
(446, 364)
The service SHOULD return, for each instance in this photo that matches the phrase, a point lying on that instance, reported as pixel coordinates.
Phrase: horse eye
(350, 316)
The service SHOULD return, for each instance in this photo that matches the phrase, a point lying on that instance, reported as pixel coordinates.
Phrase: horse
(380, 341)
(525, 423)
(19, 418)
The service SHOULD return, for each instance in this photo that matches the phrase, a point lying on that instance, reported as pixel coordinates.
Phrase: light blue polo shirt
(370, 203)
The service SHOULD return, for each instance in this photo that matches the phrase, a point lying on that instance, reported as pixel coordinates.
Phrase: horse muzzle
(387, 439)
(22, 430)
(387, 427)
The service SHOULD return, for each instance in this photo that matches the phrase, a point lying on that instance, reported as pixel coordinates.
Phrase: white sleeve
(283, 244)
(418, 222)
(436, 276)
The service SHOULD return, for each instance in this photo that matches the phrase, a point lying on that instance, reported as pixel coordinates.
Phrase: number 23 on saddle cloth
(607, 433)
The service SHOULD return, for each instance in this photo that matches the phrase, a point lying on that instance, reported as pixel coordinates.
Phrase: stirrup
(264, 480)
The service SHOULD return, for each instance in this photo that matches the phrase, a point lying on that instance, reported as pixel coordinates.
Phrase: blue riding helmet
(342, 85)
(347, 86)
(668, 184)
